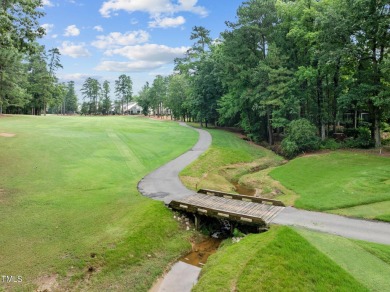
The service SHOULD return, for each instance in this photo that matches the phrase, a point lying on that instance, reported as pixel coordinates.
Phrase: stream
(184, 274)
(201, 252)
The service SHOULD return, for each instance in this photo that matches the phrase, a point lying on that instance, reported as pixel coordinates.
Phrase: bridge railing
(241, 197)
(221, 214)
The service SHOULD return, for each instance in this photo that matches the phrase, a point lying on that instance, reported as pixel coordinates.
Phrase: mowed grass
(69, 205)
(278, 260)
(368, 263)
(339, 180)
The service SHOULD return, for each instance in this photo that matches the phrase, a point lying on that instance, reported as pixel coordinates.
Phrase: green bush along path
(69, 207)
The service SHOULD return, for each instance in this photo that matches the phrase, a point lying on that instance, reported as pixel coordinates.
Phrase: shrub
(351, 132)
(362, 140)
(331, 144)
(301, 136)
(290, 148)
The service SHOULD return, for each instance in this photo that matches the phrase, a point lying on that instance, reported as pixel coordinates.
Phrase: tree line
(96, 96)
(28, 82)
(322, 63)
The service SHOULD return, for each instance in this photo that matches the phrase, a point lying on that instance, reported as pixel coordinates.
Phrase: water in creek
(201, 251)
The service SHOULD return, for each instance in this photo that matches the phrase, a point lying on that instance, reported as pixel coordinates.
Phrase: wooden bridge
(239, 208)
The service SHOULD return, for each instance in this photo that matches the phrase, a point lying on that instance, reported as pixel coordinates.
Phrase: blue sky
(139, 38)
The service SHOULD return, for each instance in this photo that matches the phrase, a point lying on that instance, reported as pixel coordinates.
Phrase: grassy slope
(228, 159)
(278, 260)
(226, 149)
(68, 190)
(368, 263)
(337, 180)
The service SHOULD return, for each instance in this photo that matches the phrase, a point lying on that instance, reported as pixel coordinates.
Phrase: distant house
(132, 109)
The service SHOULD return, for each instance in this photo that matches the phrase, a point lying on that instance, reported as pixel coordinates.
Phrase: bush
(290, 148)
(331, 144)
(301, 136)
(351, 132)
(362, 140)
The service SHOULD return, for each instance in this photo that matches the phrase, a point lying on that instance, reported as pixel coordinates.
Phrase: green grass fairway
(69, 207)
(338, 180)
(278, 260)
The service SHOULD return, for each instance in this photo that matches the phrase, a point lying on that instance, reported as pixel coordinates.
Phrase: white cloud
(74, 50)
(153, 7)
(167, 22)
(149, 52)
(133, 66)
(74, 77)
(47, 3)
(72, 30)
(98, 28)
(142, 58)
(48, 27)
(116, 39)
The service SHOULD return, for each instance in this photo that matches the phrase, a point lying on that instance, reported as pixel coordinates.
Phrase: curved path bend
(164, 184)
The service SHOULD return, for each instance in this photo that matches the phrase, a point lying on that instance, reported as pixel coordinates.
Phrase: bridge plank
(234, 209)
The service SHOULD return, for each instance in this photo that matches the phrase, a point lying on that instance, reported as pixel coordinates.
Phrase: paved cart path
(164, 184)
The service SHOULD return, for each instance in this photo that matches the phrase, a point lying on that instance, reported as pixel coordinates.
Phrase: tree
(124, 90)
(91, 89)
(41, 82)
(157, 94)
(244, 73)
(54, 60)
(206, 90)
(371, 35)
(13, 80)
(106, 104)
(143, 99)
(202, 37)
(19, 25)
(177, 93)
(70, 99)
(19, 28)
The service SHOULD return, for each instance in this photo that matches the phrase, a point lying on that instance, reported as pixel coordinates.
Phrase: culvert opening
(214, 231)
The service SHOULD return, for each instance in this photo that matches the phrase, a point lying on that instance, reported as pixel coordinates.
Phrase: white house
(132, 108)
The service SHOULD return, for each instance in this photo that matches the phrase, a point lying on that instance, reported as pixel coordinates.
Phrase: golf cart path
(164, 184)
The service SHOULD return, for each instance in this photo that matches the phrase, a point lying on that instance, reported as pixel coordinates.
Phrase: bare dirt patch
(47, 283)
(7, 135)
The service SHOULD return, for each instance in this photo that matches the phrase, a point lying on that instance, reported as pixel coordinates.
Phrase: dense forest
(301, 70)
